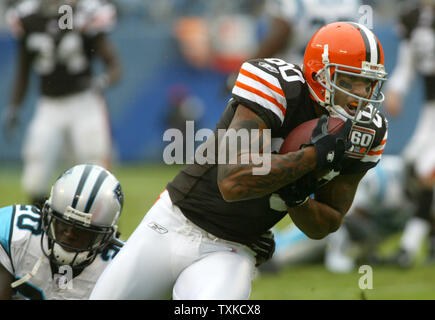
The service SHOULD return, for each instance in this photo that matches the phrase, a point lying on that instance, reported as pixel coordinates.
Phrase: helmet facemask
(367, 107)
(79, 218)
(66, 251)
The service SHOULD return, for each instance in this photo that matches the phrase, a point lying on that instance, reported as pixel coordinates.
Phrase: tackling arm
(109, 56)
(21, 78)
(276, 40)
(22, 75)
(317, 218)
(19, 89)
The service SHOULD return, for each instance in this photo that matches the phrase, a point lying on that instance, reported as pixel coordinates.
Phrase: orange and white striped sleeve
(261, 88)
(375, 154)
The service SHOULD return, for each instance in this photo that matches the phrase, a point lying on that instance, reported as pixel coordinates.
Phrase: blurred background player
(380, 209)
(416, 55)
(291, 24)
(70, 112)
(60, 251)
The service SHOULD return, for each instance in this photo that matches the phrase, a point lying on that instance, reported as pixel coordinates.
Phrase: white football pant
(167, 255)
(82, 120)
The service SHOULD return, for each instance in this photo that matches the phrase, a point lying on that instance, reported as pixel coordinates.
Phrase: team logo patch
(158, 228)
(119, 194)
(268, 67)
(330, 156)
(362, 139)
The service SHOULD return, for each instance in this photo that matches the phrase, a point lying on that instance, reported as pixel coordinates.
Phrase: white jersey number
(283, 67)
(68, 52)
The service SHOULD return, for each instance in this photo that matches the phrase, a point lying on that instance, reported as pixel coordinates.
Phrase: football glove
(264, 247)
(296, 193)
(330, 148)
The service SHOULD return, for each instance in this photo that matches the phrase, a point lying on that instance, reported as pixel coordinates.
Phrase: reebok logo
(158, 228)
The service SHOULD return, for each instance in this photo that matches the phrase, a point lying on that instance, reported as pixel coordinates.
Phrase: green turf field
(142, 185)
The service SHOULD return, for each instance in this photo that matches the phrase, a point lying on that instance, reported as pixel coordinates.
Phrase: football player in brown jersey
(210, 227)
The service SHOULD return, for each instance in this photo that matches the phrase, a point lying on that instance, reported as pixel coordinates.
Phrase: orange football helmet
(345, 48)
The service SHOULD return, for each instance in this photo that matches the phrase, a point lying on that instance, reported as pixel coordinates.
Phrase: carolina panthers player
(211, 226)
(59, 252)
(71, 107)
(416, 56)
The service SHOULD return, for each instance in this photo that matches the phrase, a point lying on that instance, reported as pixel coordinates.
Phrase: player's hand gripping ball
(329, 137)
(301, 135)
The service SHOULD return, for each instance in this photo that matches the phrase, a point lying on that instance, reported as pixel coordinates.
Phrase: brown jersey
(61, 56)
(281, 98)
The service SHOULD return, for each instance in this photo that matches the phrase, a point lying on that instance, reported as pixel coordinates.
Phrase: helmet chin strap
(29, 275)
(64, 257)
(334, 113)
(35, 269)
(57, 251)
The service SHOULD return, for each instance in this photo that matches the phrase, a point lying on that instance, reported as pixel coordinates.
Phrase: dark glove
(330, 148)
(264, 247)
(294, 194)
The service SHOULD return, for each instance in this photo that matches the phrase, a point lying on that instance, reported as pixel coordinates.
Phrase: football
(302, 134)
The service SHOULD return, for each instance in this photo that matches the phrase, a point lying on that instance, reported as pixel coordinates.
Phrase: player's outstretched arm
(318, 218)
(22, 75)
(5, 284)
(19, 89)
(276, 40)
(238, 181)
(107, 52)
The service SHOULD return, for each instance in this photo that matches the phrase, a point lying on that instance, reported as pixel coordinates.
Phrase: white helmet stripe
(372, 47)
(372, 43)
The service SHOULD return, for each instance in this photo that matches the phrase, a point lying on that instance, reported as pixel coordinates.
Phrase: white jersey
(307, 16)
(20, 251)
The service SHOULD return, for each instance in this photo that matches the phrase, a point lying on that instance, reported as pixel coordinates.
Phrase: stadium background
(156, 74)
(153, 67)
